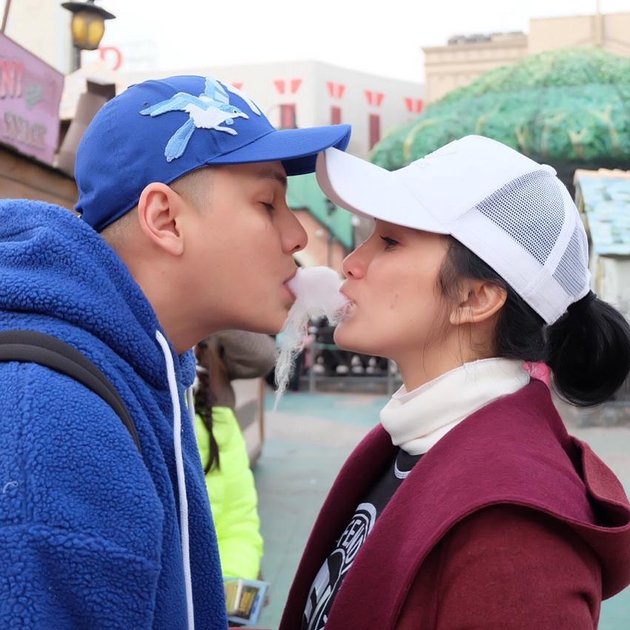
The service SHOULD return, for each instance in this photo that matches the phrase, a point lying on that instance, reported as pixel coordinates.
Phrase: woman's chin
(348, 337)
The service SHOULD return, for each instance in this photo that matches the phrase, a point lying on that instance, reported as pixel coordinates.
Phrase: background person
(236, 354)
(229, 479)
(470, 505)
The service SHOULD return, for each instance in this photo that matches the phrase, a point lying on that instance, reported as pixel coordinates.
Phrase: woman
(470, 506)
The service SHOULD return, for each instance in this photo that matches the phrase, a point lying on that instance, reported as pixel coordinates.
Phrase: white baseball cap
(513, 213)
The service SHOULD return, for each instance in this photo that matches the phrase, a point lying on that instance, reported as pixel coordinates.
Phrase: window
(287, 116)
(375, 129)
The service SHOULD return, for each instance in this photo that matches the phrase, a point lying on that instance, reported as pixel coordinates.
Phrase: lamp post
(87, 27)
(5, 15)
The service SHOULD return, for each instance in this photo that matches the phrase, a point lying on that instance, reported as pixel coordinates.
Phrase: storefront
(30, 93)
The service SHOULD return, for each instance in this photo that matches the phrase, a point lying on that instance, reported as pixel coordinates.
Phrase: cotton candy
(316, 291)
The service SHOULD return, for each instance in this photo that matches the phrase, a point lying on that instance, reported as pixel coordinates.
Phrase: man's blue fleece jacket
(90, 528)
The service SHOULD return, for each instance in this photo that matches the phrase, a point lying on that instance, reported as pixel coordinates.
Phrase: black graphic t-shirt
(334, 569)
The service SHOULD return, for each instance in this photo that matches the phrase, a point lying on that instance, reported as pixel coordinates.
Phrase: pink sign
(30, 92)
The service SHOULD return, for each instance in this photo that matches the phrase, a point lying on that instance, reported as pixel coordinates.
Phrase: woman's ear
(159, 214)
(479, 301)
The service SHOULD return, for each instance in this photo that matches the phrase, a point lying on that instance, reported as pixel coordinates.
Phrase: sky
(383, 37)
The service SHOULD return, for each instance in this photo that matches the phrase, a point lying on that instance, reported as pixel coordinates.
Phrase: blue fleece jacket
(90, 531)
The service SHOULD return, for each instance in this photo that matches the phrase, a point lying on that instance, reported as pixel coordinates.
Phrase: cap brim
(371, 191)
(297, 149)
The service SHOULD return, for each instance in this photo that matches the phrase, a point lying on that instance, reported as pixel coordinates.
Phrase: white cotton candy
(317, 293)
(316, 290)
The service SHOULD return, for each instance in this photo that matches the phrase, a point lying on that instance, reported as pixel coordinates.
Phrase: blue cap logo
(210, 110)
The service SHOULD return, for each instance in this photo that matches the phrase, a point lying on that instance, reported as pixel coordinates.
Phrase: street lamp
(88, 26)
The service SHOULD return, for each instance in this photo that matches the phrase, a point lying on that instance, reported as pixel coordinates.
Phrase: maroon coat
(507, 522)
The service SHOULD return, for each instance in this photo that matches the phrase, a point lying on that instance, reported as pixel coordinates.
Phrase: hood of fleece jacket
(59, 270)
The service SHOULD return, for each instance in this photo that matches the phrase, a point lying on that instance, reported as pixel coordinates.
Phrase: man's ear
(159, 214)
(479, 301)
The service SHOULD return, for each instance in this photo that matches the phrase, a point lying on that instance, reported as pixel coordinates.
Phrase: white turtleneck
(416, 420)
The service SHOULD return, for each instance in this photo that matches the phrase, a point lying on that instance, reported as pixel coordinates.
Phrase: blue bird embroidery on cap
(210, 110)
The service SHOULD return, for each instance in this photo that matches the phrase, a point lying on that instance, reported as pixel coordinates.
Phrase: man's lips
(287, 285)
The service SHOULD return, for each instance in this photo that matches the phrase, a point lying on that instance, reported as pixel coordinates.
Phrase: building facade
(466, 57)
(30, 93)
(603, 198)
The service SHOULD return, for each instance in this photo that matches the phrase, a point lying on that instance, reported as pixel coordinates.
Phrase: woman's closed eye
(390, 243)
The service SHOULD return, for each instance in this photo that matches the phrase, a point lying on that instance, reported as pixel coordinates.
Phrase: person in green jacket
(229, 479)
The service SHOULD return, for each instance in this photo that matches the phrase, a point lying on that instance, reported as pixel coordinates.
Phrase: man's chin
(272, 325)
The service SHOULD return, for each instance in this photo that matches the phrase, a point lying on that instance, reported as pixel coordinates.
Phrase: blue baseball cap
(160, 130)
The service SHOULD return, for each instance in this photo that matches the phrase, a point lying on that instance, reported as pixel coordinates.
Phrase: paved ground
(308, 439)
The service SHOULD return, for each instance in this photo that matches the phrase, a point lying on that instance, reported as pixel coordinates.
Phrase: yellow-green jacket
(233, 496)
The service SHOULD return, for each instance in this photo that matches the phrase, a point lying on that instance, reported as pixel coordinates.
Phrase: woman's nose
(351, 265)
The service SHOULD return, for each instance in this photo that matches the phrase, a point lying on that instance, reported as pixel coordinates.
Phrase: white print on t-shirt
(337, 565)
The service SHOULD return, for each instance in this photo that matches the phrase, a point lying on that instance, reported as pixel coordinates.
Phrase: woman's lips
(348, 309)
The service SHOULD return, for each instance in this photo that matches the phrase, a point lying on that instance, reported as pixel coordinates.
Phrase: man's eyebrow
(274, 174)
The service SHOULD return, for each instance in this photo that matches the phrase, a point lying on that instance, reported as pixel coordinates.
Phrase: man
(183, 231)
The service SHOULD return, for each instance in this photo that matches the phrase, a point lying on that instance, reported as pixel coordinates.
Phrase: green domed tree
(569, 108)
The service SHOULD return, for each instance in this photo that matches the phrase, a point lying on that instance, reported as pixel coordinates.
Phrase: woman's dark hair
(204, 401)
(587, 349)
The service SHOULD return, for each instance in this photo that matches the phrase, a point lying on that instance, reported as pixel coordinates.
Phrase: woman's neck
(422, 366)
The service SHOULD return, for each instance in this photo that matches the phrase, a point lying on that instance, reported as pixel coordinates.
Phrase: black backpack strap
(33, 347)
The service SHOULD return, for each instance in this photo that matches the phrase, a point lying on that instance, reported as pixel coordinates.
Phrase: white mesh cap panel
(530, 209)
(572, 271)
(532, 213)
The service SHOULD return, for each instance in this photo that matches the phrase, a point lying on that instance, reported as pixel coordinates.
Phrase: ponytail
(588, 350)
(204, 402)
